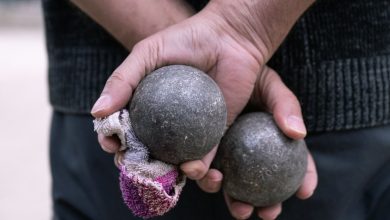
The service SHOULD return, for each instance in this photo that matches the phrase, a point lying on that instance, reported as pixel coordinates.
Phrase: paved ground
(24, 123)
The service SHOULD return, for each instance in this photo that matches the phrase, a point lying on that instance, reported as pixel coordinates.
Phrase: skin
(130, 21)
(231, 41)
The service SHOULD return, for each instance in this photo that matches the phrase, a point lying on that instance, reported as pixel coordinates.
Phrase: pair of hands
(233, 50)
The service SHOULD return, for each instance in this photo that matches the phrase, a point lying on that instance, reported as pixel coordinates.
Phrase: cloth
(353, 168)
(149, 187)
(336, 60)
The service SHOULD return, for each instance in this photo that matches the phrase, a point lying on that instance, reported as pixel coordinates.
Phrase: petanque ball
(261, 166)
(179, 113)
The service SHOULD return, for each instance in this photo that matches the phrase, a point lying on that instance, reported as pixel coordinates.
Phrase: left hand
(270, 94)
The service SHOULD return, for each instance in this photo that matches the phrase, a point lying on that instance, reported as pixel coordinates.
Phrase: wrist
(263, 23)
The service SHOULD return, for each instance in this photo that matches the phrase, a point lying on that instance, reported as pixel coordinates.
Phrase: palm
(232, 67)
(236, 79)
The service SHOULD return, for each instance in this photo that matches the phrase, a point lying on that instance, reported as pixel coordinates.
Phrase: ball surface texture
(261, 165)
(179, 113)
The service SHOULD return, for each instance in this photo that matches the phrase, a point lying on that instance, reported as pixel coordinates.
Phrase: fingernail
(118, 158)
(296, 123)
(216, 180)
(106, 149)
(193, 173)
(100, 104)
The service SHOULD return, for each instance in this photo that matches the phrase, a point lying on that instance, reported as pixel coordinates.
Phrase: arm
(130, 21)
(264, 24)
(231, 40)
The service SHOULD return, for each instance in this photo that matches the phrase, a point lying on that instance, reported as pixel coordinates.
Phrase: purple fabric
(168, 181)
(131, 197)
(149, 187)
(147, 197)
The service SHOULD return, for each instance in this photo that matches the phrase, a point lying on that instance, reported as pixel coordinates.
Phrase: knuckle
(205, 186)
(149, 53)
(118, 79)
(291, 97)
(115, 77)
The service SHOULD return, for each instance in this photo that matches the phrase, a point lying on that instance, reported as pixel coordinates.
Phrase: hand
(242, 210)
(236, 62)
(199, 42)
(270, 94)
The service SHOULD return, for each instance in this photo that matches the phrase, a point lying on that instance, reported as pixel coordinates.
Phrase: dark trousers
(353, 168)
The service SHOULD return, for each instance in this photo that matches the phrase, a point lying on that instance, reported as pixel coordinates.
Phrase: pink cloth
(149, 187)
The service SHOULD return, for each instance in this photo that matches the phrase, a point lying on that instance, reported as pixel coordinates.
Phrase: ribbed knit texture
(82, 55)
(336, 60)
(78, 77)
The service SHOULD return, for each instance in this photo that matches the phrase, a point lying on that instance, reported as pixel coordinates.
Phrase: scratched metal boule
(179, 113)
(261, 166)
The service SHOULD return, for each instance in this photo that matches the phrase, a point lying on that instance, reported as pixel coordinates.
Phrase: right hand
(203, 41)
(237, 64)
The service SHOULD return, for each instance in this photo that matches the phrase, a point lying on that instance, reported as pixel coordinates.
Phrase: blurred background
(24, 113)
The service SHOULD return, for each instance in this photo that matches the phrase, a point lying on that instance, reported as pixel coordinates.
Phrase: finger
(119, 158)
(197, 169)
(281, 102)
(212, 182)
(239, 210)
(121, 84)
(270, 212)
(310, 181)
(110, 144)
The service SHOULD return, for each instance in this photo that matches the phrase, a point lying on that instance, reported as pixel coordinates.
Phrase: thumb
(121, 84)
(281, 102)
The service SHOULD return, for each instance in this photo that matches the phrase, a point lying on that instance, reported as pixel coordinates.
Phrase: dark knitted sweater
(336, 60)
